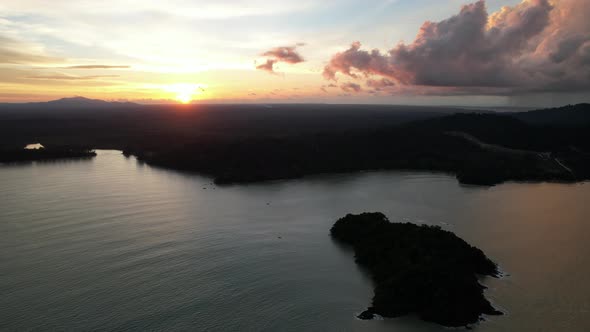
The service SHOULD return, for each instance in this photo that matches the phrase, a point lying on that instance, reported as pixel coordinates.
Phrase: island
(422, 270)
(20, 155)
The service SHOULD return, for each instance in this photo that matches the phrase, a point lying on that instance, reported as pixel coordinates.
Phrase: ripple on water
(107, 244)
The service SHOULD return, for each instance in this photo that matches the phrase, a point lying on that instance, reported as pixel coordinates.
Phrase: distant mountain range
(570, 115)
(70, 104)
(74, 102)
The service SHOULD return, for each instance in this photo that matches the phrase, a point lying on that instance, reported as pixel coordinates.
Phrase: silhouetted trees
(52, 153)
(247, 143)
(418, 269)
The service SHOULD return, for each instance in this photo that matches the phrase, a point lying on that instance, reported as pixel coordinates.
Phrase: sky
(425, 52)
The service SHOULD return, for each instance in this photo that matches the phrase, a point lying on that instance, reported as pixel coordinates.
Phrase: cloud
(351, 87)
(13, 51)
(286, 54)
(536, 45)
(95, 67)
(325, 87)
(69, 77)
(379, 84)
(218, 10)
(268, 65)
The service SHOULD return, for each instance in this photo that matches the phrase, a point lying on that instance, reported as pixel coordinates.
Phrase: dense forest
(418, 269)
(247, 143)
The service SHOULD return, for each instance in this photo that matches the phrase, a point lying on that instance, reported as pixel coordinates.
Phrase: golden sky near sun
(259, 51)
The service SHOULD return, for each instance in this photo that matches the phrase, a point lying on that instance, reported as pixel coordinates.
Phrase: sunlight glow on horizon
(185, 92)
(253, 51)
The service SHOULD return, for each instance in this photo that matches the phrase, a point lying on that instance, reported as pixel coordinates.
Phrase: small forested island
(17, 155)
(421, 270)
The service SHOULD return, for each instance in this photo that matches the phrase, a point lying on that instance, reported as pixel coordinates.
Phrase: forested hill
(245, 143)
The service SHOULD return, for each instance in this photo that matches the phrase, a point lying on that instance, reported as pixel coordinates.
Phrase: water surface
(112, 244)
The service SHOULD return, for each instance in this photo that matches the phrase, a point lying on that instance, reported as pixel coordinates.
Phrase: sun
(184, 93)
(184, 98)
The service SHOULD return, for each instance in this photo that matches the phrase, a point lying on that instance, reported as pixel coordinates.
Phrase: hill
(570, 115)
(245, 143)
(72, 103)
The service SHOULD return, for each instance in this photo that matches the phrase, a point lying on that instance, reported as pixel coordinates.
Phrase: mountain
(81, 102)
(570, 115)
(73, 103)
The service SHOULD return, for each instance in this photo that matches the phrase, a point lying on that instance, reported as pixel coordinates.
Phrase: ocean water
(113, 244)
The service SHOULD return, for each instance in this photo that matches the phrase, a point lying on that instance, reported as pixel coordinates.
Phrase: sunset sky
(497, 52)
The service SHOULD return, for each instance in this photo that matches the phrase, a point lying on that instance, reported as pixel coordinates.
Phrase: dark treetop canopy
(418, 269)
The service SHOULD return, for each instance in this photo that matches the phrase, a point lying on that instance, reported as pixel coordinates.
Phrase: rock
(366, 315)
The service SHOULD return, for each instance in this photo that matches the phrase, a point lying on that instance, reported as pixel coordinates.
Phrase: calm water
(110, 244)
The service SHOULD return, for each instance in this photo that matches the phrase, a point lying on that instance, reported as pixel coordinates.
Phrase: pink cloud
(379, 84)
(351, 87)
(286, 54)
(268, 65)
(533, 46)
